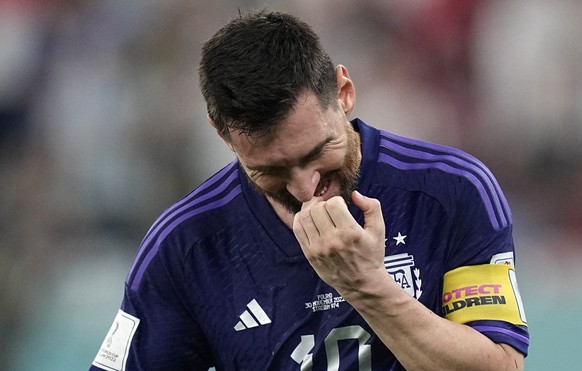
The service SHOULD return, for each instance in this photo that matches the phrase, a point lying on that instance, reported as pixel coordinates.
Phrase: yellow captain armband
(482, 292)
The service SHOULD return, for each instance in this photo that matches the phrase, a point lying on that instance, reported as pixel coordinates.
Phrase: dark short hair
(255, 67)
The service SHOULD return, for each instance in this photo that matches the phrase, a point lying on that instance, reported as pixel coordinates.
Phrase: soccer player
(328, 244)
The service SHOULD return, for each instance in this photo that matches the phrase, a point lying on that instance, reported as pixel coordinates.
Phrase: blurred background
(102, 126)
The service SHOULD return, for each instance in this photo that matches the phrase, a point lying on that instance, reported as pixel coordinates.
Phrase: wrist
(378, 291)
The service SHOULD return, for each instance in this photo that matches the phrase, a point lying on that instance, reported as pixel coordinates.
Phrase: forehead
(305, 128)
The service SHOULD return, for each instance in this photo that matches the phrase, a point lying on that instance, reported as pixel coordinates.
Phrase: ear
(224, 137)
(346, 90)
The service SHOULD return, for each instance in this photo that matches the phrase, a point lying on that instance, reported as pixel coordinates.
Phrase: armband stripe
(513, 334)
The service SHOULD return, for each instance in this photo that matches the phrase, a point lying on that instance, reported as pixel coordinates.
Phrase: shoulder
(198, 206)
(453, 177)
(204, 211)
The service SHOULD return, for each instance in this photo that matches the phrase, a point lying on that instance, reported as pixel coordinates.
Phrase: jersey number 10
(303, 356)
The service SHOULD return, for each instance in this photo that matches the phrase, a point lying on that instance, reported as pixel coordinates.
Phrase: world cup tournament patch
(113, 353)
(482, 292)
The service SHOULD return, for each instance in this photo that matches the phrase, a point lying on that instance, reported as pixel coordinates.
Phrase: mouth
(322, 188)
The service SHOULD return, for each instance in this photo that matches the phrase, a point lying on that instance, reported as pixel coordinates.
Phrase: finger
(305, 218)
(304, 224)
(373, 219)
(299, 232)
(310, 203)
(321, 217)
(337, 210)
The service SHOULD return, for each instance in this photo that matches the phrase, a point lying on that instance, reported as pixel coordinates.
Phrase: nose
(303, 183)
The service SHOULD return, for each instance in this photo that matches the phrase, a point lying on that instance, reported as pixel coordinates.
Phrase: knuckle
(305, 218)
(376, 202)
(336, 201)
(352, 235)
(332, 244)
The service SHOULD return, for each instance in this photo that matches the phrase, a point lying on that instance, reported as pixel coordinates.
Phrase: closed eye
(268, 171)
(315, 153)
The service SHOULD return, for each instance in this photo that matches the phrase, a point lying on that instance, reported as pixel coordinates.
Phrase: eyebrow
(316, 151)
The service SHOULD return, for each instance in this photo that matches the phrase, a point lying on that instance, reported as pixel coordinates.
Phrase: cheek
(334, 161)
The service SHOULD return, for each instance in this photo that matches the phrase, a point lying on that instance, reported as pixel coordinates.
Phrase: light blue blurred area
(553, 305)
(550, 283)
(555, 333)
(102, 126)
(66, 322)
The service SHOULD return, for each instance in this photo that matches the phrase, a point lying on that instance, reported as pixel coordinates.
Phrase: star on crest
(399, 239)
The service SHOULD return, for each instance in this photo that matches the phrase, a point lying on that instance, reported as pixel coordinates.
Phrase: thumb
(373, 219)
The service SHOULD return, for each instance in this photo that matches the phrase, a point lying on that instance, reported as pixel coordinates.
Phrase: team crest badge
(401, 268)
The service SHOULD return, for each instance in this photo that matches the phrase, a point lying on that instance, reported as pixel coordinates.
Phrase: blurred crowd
(102, 126)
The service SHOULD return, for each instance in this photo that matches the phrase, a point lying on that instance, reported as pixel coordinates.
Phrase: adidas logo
(249, 318)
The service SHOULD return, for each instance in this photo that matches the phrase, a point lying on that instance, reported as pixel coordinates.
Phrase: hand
(344, 254)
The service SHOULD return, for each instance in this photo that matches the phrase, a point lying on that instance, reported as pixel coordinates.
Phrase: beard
(347, 177)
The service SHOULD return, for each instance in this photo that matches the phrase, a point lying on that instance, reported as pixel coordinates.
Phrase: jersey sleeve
(480, 284)
(155, 329)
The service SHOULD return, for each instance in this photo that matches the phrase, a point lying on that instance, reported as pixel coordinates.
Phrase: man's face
(310, 153)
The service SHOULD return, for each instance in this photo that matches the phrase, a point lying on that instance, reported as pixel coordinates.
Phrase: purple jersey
(219, 281)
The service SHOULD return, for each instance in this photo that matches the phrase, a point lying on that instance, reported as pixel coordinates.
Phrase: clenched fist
(344, 254)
